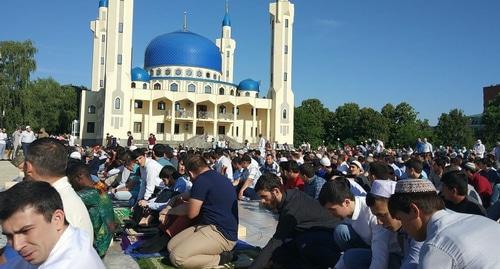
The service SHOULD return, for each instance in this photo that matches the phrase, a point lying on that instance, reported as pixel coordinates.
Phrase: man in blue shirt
(159, 151)
(212, 201)
(313, 183)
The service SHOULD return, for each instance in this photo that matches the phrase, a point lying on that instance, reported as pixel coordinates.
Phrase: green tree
(49, 105)
(310, 119)
(404, 127)
(17, 61)
(345, 123)
(453, 129)
(491, 121)
(372, 125)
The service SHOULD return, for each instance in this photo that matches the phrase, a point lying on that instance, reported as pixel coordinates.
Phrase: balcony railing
(205, 115)
(226, 116)
(183, 114)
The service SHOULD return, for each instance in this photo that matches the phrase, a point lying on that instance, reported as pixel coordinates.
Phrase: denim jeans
(496, 193)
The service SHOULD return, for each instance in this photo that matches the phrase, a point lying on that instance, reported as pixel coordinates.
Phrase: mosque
(185, 88)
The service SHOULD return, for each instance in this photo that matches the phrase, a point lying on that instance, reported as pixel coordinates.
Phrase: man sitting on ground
(451, 240)
(454, 190)
(33, 219)
(303, 235)
(360, 229)
(213, 202)
(46, 161)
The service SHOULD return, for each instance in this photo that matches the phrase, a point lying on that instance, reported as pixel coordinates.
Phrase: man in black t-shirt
(454, 191)
(213, 203)
(304, 235)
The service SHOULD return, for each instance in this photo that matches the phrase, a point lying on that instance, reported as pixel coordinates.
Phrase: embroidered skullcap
(414, 186)
(383, 188)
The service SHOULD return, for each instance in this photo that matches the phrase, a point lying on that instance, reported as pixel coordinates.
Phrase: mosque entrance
(222, 130)
(200, 130)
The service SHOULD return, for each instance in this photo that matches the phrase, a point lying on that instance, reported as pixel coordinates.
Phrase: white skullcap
(75, 155)
(283, 159)
(325, 162)
(132, 148)
(383, 188)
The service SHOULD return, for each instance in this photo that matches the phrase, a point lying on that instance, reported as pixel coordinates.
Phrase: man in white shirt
(479, 149)
(359, 230)
(249, 177)
(150, 174)
(27, 137)
(32, 217)
(223, 164)
(262, 144)
(46, 161)
(451, 240)
(3, 143)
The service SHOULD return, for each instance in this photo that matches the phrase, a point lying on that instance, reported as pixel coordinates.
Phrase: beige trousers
(198, 246)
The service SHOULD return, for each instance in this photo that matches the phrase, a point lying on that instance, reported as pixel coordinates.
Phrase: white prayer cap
(358, 164)
(383, 188)
(75, 155)
(283, 159)
(319, 156)
(325, 162)
(175, 152)
(471, 166)
(28, 127)
(132, 148)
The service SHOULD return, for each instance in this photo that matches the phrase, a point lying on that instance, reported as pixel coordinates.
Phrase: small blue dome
(139, 74)
(103, 3)
(226, 21)
(183, 49)
(249, 85)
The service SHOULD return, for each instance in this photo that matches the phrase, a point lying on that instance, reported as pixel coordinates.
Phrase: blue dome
(226, 21)
(249, 85)
(103, 3)
(139, 74)
(183, 49)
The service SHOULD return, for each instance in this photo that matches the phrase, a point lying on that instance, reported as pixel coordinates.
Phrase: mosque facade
(186, 87)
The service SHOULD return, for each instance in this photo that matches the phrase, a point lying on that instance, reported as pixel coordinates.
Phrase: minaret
(111, 66)
(227, 45)
(282, 18)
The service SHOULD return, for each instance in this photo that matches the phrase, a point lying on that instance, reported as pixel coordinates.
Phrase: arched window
(91, 109)
(144, 86)
(161, 105)
(222, 109)
(118, 103)
(191, 88)
(178, 72)
(208, 89)
(151, 72)
(247, 94)
(221, 91)
(215, 76)
(168, 72)
(158, 72)
(177, 106)
(174, 87)
(199, 73)
(189, 72)
(133, 85)
(207, 75)
(284, 114)
(157, 86)
(232, 92)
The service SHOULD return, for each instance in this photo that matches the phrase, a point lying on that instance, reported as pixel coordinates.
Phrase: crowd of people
(362, 206)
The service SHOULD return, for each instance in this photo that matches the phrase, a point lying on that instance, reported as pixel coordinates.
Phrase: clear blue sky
(435, 54)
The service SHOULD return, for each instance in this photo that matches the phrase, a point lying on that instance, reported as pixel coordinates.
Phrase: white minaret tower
(227, 45)
(282, 14)
(111, 67)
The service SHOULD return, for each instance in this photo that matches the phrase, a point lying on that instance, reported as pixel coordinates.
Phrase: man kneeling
(213, 203)
(32, 217)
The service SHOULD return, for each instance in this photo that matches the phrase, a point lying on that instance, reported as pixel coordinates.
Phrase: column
(254, 123)
(195, 117)
(216, 117)
(172, 121)
(268, 126)
(150, 130)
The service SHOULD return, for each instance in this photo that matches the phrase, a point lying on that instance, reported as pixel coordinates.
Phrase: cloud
(329, 23)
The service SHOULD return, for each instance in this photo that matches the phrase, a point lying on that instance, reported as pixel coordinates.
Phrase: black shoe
(226, 257)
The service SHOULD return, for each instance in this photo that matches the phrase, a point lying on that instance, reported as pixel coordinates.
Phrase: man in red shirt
(480, 183)
(291, 175)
